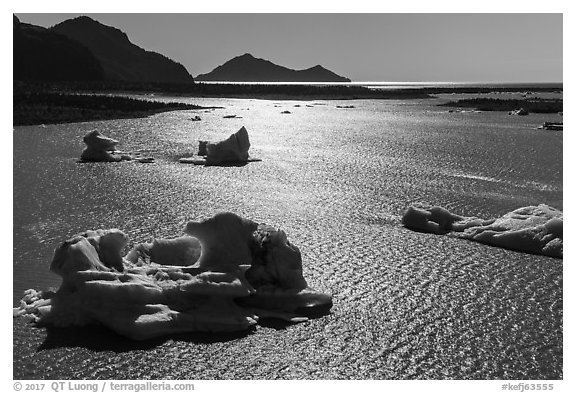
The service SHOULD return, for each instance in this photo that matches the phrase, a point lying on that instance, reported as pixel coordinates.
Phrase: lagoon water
(407, 305)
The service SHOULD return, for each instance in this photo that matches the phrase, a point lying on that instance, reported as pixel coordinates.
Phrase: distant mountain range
(120, 58)
(247, 68)
(82, 49)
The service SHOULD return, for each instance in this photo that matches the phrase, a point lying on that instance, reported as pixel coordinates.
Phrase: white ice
(532, 229)
(231, 272)
(231, 151)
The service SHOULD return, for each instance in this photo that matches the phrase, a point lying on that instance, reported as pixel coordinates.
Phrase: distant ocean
(409, 85)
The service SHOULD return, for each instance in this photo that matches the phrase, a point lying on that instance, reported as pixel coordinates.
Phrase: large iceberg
(531, 229)
(230, 272)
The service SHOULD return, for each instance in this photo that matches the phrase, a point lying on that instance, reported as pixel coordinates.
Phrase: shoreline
(37, 103)
(104, 117)
(37, 108)
(506, 105)
(200, 89)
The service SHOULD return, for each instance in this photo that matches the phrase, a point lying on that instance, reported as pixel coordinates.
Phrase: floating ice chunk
(438, 220)
(233, 149)
(519, 112)
(230, 152)
(223, 279)
(532, 229)
(99, 148)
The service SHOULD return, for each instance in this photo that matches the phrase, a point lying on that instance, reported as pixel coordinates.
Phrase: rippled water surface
(407, 305)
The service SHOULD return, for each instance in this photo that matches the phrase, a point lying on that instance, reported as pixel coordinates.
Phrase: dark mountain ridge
(121, 59)
(40, 54)
(247, 68)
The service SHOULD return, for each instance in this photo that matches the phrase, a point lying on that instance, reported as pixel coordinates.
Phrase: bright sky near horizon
(362, 47)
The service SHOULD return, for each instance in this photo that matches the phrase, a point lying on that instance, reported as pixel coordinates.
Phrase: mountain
(120, 58)
(43, 55)
(247, 68)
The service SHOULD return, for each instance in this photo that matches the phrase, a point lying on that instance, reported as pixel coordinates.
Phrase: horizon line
(397, 83)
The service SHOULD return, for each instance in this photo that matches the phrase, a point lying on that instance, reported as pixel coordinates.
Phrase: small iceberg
(229, 152)
(531, 229)
(100, 148)
(519, 112)
(552, 126)
(223, 275)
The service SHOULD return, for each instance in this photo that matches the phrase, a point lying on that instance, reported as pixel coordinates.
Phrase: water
(406, 85)
(406, 305)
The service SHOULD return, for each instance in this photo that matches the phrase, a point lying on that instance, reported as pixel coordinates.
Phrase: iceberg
(100, 148)
(222, 276)
(531, 229)
(519, 112)
(231, 151)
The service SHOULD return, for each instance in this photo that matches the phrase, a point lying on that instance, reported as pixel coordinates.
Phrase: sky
(439, 47)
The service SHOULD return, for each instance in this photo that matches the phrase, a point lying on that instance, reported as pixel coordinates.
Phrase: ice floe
(100, 148)
(531, 229)
(231, 151)
(231, 272)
